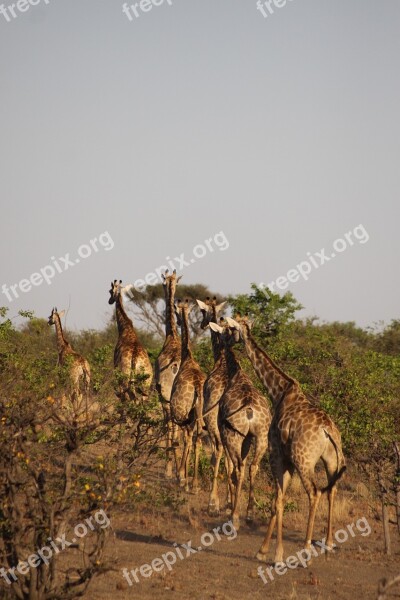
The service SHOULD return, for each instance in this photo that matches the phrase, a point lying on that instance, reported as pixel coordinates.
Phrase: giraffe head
(229, 335)
(182, 308)
(210, 310)
(54, 315)
(115, 291)
(241, 325)
(170, 280)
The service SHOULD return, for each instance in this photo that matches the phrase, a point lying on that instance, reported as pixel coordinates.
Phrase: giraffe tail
(334, 480)
(249, 414)
(341, 466)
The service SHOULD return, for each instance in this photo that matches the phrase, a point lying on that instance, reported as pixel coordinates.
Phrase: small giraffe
(214, 387)
(300, 435)
(244, 416)
(79, 369)
(129, 355)
(187, 399)
(167, 364)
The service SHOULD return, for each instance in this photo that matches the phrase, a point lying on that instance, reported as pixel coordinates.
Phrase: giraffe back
(167, 366)
(244, 408)
(187, 389)
(304, 430)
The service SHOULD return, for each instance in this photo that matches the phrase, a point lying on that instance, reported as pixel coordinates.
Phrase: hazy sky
(193, 119)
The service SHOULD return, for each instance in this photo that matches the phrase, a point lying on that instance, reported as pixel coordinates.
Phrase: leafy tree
(50, 479)
(270, 312)
(388, 340)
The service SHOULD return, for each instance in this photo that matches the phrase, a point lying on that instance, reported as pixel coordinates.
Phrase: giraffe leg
(169, 438)
(282, 476)
(227, 437)
(239, 469)
(233, 441)
(314, 500)
(182, 472)
(198, 410)
(168, 466)
(330, 462)
(176, 433)
(189, 445)
(195, 482)
(213, 502)
(329, 535)
(329, 459)
(230, 492)
(282, 487)
(262, 553)
(314, 496)
(261, 444)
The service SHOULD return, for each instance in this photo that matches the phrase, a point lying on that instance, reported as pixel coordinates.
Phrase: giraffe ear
(216, 328)
(219, 307)
(128, 290)
(232, 323)
(201, 305)
(61, 313)
(178, 278)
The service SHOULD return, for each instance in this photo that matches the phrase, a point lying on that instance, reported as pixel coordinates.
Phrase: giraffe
(168, 362)
(244, 416)
(300, 435)
(129, 355)
(214, 387)
(79, 369)
(187, 399)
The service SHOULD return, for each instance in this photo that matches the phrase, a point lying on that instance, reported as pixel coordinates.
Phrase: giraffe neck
(62, 343)
(232, 363)
(273, 378)
(170, 322)
(123, 321)
(185, 337)
(215, 339)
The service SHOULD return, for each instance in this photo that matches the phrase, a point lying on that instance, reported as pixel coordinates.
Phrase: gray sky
(196, 118)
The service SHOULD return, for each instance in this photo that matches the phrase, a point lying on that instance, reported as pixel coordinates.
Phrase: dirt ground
(227, 568)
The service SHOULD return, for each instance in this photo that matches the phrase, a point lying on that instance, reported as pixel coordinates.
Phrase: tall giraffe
(78, 367)
(244, 416)
(214, 387)
(129, 355)
(300, 435)
(187, 398)
(168, 362)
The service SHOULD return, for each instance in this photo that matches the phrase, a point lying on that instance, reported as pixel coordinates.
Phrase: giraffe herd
(225, 405)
